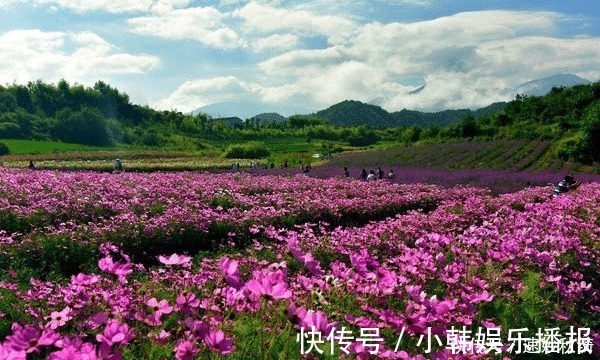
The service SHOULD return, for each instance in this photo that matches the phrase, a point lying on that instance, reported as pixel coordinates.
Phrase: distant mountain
(541, 87)
(351, 112)
(268, 118)
(489, 110)
(248, 109)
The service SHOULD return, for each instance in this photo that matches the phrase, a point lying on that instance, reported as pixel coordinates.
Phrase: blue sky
(183, 54)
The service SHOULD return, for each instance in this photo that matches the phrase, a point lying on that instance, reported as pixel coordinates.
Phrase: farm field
(514, 155)
(20, 147)
(187, 265)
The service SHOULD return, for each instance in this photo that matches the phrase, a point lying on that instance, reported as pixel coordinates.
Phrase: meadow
(188, 265)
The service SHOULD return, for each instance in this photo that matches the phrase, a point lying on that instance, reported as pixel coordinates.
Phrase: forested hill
(442, 118)
(351, 113)
(100, 115)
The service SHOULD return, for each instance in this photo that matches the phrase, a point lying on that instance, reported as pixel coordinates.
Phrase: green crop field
(20, 147)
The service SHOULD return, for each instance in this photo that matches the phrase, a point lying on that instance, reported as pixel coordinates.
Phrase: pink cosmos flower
(115, 333)
(186, 350)
(83, 279)
(296, 314)
(314, 267)
(441, 308)
(187, 303)
(230, 272)
(416, 323)
(74, 349)
(58, 319)
(319, 321)
(8, 354)
(30, 339)
(196, 328)
(161, 338)
(265, 288)
(96, 320)
(364, 263)
(253, 229)
(217, 342)
(108, 353)
(176, 259)
(488, 323)
(108, 265)
(159, 307)
(484, 296)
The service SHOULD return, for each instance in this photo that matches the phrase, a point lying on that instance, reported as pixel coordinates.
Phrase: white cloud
(262, 18)
(27, 55)
(466, 60)
(193, 94)
(113, 6)
(255, 25)
(9, 4)
(276, 42)
(204, 24)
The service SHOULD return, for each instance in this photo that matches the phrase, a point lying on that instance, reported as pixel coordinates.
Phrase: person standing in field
(363, 175)
(372, 176)
(31, 165)
(346, 172)
(118, 165)
(379, 173)
(391, 175)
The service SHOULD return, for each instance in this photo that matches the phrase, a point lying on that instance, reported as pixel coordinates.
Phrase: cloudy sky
(183, 54)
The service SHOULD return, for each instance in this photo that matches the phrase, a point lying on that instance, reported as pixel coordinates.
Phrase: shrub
(247, 151)
(4, 150)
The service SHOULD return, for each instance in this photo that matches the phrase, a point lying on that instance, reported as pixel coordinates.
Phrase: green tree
(45, 97)
(85, 126)
(588, 149)
(362, 136)
(9, 130)
(468, 127)
(411, 134)
(152, 138)
(8, 102)
(23, 96)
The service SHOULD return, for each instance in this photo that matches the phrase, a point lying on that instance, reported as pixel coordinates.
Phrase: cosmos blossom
(30, 339)
(114, 333)
(217, 342)
(108, 265)
(175, 259)
(265, 287)
(59, 318)
(230, 272)
(186, 350)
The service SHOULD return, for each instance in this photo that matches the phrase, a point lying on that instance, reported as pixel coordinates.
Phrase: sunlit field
(188, 265)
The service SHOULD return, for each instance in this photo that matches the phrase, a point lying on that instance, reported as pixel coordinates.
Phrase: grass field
(20, 147)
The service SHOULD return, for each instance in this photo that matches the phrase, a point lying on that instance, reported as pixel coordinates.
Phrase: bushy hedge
(251, 150)
(4, 150)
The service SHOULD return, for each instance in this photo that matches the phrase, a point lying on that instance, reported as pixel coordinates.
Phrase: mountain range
(541, 87)
(350, 112)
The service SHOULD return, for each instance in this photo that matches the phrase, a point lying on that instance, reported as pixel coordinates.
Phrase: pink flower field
(235, 266)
